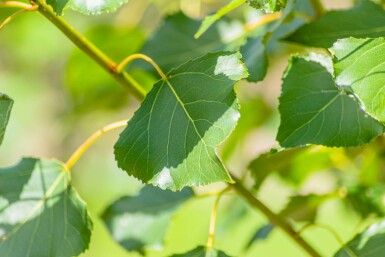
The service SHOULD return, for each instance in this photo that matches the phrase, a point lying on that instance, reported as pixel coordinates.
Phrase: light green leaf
(141, 222)
(170, 142)
(95, 7)
(315, 111)
(40, 213)
(268, 5)
(369, 243)
(342, 24)
(5, 111)
(57, 5)
(359, 66)
(174, 43)
(211, 19)
(202, 251)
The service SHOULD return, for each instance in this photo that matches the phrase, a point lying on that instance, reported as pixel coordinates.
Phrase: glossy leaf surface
(315, 111)
(5, 111)
(95, 7)
(40, 213)
(359, 66)
(369, 243)
(335, 25)
(141, 222)
(170, 142)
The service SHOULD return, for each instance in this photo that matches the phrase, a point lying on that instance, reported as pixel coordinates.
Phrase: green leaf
(268, 5)
(174, 44)
(57, 5)
(211, 19)
(303, 207)
(315, 111)
(358, 66)
(261, 234)
(170, 142)
(270, 162)
(100, 91)
(202, 251)
(40, 213)
(5, 111)
(95, 7)
(369, 243)
(341, 24)
(255, 56)
(366, 200)
(141, 222)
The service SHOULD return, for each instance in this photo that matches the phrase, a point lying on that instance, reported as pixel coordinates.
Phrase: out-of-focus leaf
(170, 142)
(255, 56)
(303, 207)
(40, 213)
(89, 85)
(254, 112)
(315, 111)
(141, 222)
(270, 162)
(5, 111)
(211, 19)
(358, 65)
(57, 5)
(268, 5)
(173, 43)
(367, 200)
(261, 234)
(95, 7)
(202, 251)
(335, 25)
(369, 243)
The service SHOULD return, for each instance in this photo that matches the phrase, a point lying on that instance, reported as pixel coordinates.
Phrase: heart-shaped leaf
(40, 213)
(170, 142)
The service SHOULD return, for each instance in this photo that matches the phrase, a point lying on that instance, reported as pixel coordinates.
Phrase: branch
(92, 51)
(274, 218)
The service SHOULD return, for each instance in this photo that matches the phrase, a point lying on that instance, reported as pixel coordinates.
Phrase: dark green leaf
(174, 43)
(342, 24)
(170, 142)
(255, 57)
(202, 251)
(268, 5)
(367, 200)
(57, 5)
(303, 207)
(5, 111)
(359, 66)
(40, 213)
(95, 7)
(100, 91)
(261, 234)
(141, 222)
(369, 243)
(315, 111)
(270, 162)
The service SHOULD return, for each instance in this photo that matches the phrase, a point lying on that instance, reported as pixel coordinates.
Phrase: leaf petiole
(25, 8)
(83, 147)
(132, 57)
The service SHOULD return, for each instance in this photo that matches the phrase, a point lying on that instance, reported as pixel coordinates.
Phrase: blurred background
(62, 97)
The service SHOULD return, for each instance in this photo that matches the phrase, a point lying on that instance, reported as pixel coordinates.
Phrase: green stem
(274, 218)
(92, 51)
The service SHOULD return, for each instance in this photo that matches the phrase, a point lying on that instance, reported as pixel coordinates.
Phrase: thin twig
(28, 8)
(83, 147)
(144, 57)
